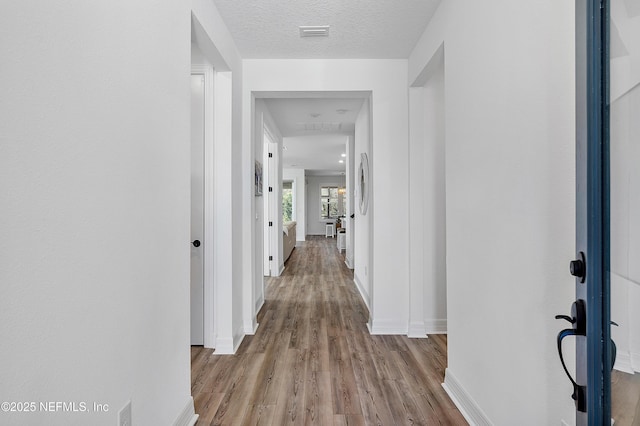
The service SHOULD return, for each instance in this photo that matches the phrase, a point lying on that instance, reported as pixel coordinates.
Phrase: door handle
(196, 243)
(578, 320)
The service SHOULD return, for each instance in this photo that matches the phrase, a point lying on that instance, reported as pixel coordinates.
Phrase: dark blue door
(607, 261)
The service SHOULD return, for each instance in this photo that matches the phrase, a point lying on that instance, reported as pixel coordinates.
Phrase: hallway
(313, 361)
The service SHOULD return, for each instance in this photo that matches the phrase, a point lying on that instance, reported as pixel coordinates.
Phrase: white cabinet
(342, 241)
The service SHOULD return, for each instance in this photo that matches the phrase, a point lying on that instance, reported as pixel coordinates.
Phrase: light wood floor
(312, 360)
(625, 398)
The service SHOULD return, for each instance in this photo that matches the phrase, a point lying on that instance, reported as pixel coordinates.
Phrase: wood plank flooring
(313, 361)
(625, 398)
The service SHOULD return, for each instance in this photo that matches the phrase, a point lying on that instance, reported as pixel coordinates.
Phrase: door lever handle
(579, 323)
(567, 318)
(579, 392)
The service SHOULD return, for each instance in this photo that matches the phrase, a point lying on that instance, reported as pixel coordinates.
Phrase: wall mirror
(363, 183)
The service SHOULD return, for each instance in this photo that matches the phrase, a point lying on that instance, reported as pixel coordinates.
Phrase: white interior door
(266, 199)
(197, 209)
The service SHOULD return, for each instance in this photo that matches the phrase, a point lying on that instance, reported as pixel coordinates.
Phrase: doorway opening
(203, 327)
(315, 139)
(428, 201)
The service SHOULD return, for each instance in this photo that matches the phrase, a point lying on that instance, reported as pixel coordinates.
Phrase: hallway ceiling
(373, 29)
(316, 130)
(311, 116)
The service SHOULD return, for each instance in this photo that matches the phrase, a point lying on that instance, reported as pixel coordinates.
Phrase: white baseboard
(388, 327)
(417, 330)
(363, 293)
(238, 336)
(188, 416)
(229, 345)
(623, 362)
(436, 326)
(465, 403)
(349, 262)
(211, 342)
(281, 270)
(224, 346)
(249, 329)
(635, 361)
(259, 305)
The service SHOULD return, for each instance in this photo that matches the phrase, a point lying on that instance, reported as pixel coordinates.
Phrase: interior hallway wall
(263, 119)
(351, 206)
(625, 188)
(386, 80)
(362, 223)
(216, 44)
(300, 188)
(95, 184)
(427, 214)
(510, 202)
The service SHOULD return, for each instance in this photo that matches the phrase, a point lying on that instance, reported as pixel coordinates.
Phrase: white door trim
(272, 214)
(208, 243)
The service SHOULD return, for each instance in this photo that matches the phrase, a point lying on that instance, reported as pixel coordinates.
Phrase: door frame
(208, 246)
(593, 355)
(273, 199)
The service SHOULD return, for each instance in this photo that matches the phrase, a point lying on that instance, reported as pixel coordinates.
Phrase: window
(332, 200)
(287, 201)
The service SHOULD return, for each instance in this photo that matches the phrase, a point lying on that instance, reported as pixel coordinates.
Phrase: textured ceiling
(370, 29)
(315, 131)
(309, 116)
(317, 154)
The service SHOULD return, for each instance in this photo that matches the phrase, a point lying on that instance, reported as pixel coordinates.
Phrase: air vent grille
(314, 31)
(320, 127)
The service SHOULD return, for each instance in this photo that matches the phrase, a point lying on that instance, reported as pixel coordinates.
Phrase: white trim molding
(349, 262)
(250, 330)
(465, 403)
(229, 346)
(188, 416)
(259, 305)
(362, 290)
(208, 249)
(623, 362)
(417, 330)
(436, 326)
(388, 326)
(635, 361)
(224, 346)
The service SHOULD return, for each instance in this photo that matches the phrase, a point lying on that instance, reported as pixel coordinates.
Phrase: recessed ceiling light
(343, 154)
(315, 114)
(341, 111)
(341, 161)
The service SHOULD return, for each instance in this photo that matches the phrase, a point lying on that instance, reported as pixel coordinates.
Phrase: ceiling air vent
(319, 127)
(314, 31)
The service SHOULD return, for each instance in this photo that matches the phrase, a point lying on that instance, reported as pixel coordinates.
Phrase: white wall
(298, 178)
(263, 119)
(510, 196)
(427, 212)
(362, 228)
(94, 177)
(315, 225)
(351, 206)
(625, 190)
(387, 81)
(215, 42)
